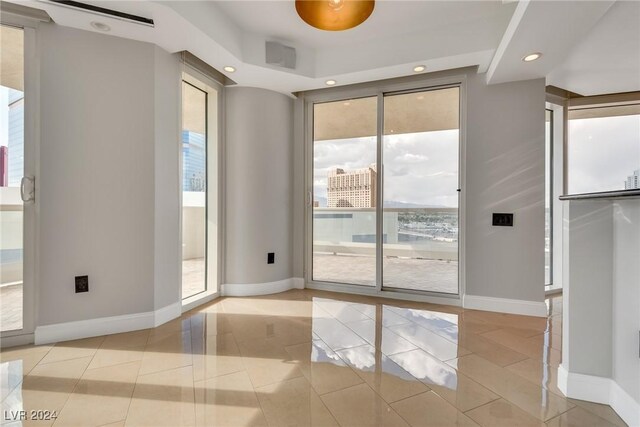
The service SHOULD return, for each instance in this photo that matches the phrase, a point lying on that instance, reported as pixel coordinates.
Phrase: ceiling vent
(104, 12)
(280, 55)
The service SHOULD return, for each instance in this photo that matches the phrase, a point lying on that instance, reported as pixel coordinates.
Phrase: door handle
(29, 195)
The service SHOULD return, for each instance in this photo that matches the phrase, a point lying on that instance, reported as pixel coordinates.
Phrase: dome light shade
(334, 15)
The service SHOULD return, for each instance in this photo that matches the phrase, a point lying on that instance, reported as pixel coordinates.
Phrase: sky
(420, 168)
(602, 153)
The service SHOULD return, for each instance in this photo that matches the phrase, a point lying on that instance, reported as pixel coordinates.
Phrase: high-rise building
(4, 172)
(353, 189)
(633, 181)
(15, 159)
(194, 161)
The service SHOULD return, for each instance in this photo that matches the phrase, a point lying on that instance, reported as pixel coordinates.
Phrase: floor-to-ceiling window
(385, 190)
(420, 153)
(344, 191)
(199, 139)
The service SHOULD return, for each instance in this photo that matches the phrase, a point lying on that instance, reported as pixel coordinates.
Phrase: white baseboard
(16, 340)
(505, 305)
(105, 325)
(298, 282)
(600, 390)
(164, 314)
(267, 288)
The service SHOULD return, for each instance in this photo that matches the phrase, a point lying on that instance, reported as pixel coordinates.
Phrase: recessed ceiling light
(330, 82)
(532, 57)
(229, 69)
(100, 26)
(419, 68)
(346, 104)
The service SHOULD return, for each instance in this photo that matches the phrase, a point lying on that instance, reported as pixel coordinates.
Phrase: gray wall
(587, 293)
(259, 185)
(505, 173)
(167, 183)
(626, 296)
(100, 188)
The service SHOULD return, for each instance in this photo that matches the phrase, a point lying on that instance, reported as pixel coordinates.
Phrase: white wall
(108, 175)
(601, 297)
(167, 149)
(626, 296)
(259, 185)
(505, 173)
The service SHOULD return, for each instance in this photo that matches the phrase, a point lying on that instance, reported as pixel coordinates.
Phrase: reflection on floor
(193, 274)
(307, 358)
(11, 307)
(407, 273)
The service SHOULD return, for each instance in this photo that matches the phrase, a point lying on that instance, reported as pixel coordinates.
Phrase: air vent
(104, 12)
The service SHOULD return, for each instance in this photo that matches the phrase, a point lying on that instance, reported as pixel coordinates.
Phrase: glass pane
(420, 157)
(548, 237)
(604, 149)
(344, 191)
(11, 172)
(194, 179)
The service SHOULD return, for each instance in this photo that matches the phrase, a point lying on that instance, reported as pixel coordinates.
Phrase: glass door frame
(214, 194)
(380, 89)
(30, 277)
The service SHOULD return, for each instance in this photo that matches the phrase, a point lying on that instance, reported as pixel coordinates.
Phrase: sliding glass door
(344, 191)
(420, 152)
(386, 189)
(200, 171)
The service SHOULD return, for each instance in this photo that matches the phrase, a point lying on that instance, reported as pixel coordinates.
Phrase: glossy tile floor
(306, 358)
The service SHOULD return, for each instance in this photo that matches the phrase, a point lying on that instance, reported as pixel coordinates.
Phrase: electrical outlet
(503, 219)
(82, 284)
(271, 258)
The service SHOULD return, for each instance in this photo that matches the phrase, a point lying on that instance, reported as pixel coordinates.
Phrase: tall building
(633, 181)
(353, 189)
(194, 161)
(16, 138)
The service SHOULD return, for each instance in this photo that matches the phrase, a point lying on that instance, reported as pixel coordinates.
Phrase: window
(548, 199)
(199, 184)
(12, 169)
(603, 152)
(385, 194)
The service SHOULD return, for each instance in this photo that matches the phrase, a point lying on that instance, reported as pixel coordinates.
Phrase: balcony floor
(11, 307)
(405, 273)
(193, 275)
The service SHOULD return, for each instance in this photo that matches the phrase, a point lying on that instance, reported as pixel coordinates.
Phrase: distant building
(4, 169)
(194, 162)
(15, 161)
(353, 189)
(633, 181)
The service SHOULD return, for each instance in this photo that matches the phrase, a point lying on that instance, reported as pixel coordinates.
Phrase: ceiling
(492, 35)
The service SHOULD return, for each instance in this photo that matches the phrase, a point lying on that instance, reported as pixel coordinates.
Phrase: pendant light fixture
(334, 15)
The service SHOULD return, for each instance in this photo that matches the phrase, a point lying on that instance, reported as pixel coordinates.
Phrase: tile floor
(304, 358)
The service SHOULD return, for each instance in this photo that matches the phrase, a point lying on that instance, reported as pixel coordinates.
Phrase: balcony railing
(419, 233)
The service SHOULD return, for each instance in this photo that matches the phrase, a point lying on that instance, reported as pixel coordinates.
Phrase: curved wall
(259, 185)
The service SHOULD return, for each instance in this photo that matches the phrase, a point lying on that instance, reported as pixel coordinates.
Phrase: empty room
(320, 213)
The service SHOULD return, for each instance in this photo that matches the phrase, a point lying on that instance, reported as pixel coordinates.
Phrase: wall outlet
(82, 284)
(271, 258)
(503, 219)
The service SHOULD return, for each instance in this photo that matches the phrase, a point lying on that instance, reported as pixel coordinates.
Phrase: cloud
(411, 158)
